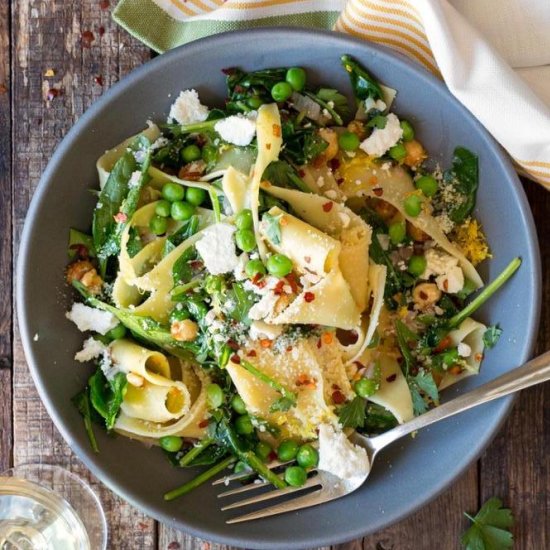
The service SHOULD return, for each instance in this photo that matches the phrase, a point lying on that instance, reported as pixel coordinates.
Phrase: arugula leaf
(404, 336)
(363, 84)
(119, 197)
(490, 529)
(492, 336)
(352, 414)
(106, 395)
(282, 174)
(273, 227)
(464, 175)
(82, 403)
(243, 301)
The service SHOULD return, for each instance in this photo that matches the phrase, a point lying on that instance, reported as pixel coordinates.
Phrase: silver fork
(328, 487)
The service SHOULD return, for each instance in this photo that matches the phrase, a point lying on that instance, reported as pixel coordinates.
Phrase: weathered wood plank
(515, 467)
(6, 318)
(53, 51)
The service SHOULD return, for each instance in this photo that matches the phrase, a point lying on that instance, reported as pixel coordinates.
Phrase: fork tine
(242, 475)
(312, 499)
(311, 482)
(243, 489)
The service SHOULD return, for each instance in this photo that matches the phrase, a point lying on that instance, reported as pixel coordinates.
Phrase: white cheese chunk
(449, 275)
(383, 139)
(91, 349)
(89, 318)
(237, 129)
(464, 350)
(260, 330)
(265, 307)
(187, 108)
(339, 456)
(217, 249)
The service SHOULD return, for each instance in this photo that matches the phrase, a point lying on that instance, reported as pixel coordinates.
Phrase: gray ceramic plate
(408, 475)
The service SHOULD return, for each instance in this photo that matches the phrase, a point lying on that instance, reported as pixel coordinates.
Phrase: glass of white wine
(45, 507)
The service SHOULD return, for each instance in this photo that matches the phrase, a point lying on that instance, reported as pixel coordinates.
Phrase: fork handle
(534, 372)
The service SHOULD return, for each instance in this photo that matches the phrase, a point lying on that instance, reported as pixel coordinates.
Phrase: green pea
(295, 476)
(281, 91)
(417, 265)
(195, 196)
(254, 267)
(397, 232)
(191, 153)
(243, 220)
(263, 450)
(254, 102)
(245, 239)
(398, 152)
(209, 154)
(117, 333)
(413, 205)
(238, 404)
(171, 443)
(179, 315)
(158, 225)
(162, 208)
(241, 467)
(182, 210)
(408, 130)
(307, 456)
(365, 387)
(296, 77)
(287, 450)
(173, 192)
(427, 184)
(279, 265)
(348, 141)
(243, 425)
(214, 395)
(450, 357)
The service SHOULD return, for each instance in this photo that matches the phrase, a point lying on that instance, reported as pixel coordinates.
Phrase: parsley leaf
(273, 227)
(490, 529)
(492, 336)
(352, 414)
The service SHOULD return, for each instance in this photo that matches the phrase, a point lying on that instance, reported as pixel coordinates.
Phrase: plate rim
(86, 455)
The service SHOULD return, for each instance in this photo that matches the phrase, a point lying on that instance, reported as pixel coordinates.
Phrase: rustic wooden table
(56, 58)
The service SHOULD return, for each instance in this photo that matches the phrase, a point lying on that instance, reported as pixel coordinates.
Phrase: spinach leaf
(182, 270)
(352, 414)
(241, 301)
(363, 84)
(492, 336)
(134, 244)
(106, 395)
(82, 403)
(118, 199)
(282, 174)
(302, 145)
(464, 176)
(188, 229)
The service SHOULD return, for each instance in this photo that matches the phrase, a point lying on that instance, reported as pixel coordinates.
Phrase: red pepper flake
(268, 146)
(391, 378)
(291, 280)
(359, 365)
(87, 37)
(335, 387)
(98, 80)
(443, 344)
(120, 217)
(279, 287)
(378, 191)
(252, 353)
(231, 344)
(272, 456)
(338, 397)
(289, 349)
(236, 359)
(174, 545)
(334, 164)
(301, 173)
(258, 280)
(266, 343)
(373, 180)
(104, 4)
(319, 343)
(101, 31)
(309, 297)
(196, 264)
(340, 181)
(276, 130)
(446, 285)
(203, 423)
(327, 207)
(478, 356)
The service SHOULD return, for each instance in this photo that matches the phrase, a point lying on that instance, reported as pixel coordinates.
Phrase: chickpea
(358, 128)
(92, 281)
(426, 295)
(415, 153)
(184, 331)
(331, 138)
(416, 233)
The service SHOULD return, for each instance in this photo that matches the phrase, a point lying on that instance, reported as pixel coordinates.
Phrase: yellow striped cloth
(465, 42)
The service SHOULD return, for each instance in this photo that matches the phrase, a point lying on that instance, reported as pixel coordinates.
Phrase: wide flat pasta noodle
(394, 185)
(471, 333)
(236, 188)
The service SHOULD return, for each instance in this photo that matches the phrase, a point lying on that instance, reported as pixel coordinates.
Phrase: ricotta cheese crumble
(187, 108)
(383, 139)
(89, 318)
(236, 129)
(217, 249)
